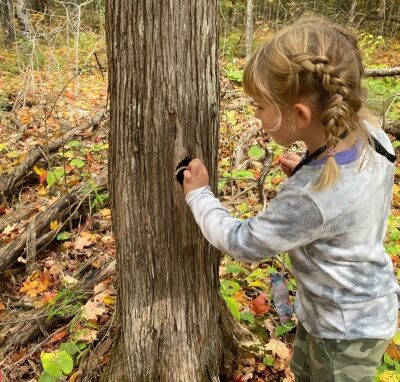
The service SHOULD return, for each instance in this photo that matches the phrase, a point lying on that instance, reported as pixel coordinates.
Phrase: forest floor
(56, 311)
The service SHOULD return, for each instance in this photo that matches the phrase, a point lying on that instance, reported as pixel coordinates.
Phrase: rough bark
(163, 84)
(23, 17)
(390, 72)
(249, 28)
(7, 21)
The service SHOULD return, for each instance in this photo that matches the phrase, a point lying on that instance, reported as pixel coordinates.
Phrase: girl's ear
(303, 115)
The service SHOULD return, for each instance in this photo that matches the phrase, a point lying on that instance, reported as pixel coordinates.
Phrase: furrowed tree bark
(7, 21)
(163, 85)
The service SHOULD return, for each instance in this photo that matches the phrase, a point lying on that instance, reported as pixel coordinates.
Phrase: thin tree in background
(7, 21)
(249, 28)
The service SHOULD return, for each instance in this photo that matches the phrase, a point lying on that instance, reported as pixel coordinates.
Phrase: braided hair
(320, 60)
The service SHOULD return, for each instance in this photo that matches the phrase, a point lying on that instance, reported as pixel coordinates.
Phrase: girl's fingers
(187, 176)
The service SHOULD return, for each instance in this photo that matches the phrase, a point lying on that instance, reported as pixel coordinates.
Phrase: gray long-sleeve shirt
(346, 288)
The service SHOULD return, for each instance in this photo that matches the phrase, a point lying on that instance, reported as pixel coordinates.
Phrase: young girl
(330, 215)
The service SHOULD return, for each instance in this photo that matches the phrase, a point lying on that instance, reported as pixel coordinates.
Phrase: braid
(336, 115)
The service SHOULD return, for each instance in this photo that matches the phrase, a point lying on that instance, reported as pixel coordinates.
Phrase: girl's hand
(195, 176)
(288, 162)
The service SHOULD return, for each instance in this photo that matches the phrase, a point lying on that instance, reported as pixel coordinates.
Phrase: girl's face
(281, 130)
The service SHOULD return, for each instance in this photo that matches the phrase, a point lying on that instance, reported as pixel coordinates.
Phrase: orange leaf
(394, 351)
(30, 288)
(89, 157)
(241, 297)
(57, 337)
(276, 180)
(259, 305)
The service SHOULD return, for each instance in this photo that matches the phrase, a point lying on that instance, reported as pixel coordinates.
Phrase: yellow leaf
(109, 300)
(105, 212)
(54, 225)
(39, 171)
(29, 288)
(42, 191)
(74, 376)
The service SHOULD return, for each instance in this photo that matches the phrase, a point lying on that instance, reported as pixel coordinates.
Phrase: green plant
(100, 199)
(67, 301)
(61, 362)
(369, 43)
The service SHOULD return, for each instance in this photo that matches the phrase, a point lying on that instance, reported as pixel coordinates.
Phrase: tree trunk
(164, 106)
(249, 28)
(382, 14)
(7, 21)
(23, 17)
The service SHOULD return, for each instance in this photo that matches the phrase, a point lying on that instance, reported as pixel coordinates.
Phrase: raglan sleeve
(291, 220)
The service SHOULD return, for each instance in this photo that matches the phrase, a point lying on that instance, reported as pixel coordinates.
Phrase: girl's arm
(291, 220)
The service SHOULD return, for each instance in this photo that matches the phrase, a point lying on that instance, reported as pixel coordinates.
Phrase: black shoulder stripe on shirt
(376, 145)
(381, 150)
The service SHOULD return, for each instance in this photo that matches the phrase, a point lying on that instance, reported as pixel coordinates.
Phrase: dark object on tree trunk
(182, 166)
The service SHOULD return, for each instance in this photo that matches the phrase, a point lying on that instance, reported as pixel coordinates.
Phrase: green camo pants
(326, 360)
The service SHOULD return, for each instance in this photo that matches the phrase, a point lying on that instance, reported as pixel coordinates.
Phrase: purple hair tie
(330, 152)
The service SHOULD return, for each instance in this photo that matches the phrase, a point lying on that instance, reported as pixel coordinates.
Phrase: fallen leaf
(394, 351)
(41, 172)
(86, 335)
(276, 180)
(83, 240)
(92, 309)
(54, 225)
(9, 229)
(259, 305)
(30, 288)
(279, 348)
(69, 280)
(105, 212)
(59, 336)
(42, 191)
(109, 300)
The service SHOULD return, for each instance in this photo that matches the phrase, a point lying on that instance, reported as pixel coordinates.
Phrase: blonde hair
(318, 59)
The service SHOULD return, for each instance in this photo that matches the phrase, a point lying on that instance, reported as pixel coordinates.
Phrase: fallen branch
(16, 216)
(392, 128)
(390, 72)
(63, 207)
(9, 182)
(32, 324)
